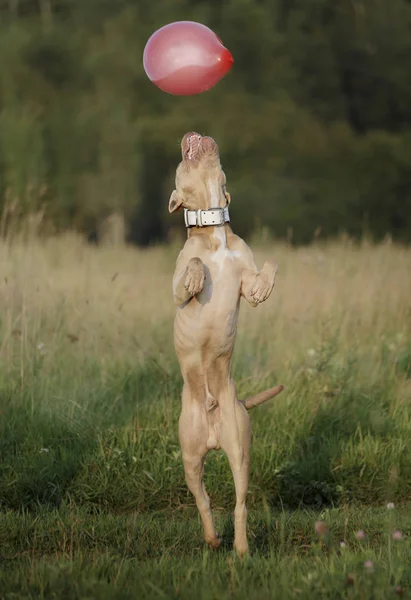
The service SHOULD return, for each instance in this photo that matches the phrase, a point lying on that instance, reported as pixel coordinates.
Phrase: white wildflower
(369, 565)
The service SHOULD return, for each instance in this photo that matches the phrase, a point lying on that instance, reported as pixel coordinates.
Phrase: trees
(314, 121)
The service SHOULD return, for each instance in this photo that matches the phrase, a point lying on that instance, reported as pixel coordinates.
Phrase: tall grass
(92, 494)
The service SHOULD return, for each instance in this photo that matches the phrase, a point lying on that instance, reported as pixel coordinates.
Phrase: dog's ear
(227, 196)
(175, 203)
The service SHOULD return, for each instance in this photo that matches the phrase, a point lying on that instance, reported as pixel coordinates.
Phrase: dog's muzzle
(206, 218)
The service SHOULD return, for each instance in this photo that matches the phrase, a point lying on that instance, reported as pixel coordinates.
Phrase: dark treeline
(313, 122)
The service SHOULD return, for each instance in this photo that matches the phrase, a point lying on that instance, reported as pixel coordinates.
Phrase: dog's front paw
(261, 289)
(194, 280)
(264, 283)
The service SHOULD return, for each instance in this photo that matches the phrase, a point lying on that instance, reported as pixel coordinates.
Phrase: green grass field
(93, 502)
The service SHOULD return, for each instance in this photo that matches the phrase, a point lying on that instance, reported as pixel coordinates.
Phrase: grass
(93, 502)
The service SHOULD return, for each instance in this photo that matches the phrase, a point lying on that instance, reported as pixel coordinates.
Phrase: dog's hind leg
(239, 465)
(194, 469)
(193, 434)
(235, 441)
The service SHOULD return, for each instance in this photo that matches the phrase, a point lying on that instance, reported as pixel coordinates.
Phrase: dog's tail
(253, 401)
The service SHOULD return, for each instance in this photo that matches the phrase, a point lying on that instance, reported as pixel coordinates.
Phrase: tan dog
(214, 269)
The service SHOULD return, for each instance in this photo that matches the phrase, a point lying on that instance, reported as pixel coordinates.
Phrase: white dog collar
(206, 218)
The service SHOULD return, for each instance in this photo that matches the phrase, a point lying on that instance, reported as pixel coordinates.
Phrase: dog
(213, 271)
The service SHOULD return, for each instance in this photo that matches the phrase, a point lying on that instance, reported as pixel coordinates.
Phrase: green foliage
(70, 553)
(313, 122)
(93, 502)
(111, 442)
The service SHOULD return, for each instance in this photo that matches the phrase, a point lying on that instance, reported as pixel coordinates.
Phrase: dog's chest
(221, 256)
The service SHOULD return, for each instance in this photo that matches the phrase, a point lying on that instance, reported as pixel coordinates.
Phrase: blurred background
(313, 121)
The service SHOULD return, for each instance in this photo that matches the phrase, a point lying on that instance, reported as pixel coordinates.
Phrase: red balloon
(185, 58)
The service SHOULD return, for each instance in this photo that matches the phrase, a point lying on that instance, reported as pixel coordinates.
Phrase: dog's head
(200, 180)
